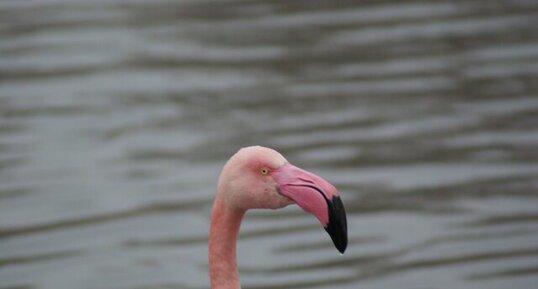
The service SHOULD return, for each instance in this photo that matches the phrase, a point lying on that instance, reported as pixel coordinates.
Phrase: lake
(117, 116)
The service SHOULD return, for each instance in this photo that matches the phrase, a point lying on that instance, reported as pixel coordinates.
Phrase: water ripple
(116, 117)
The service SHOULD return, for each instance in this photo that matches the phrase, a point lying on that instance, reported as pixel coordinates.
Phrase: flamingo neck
(225, 224)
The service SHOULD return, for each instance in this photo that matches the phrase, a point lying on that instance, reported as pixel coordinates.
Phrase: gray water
(116, 117)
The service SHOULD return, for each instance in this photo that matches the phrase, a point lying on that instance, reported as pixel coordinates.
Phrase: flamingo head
(259, 177)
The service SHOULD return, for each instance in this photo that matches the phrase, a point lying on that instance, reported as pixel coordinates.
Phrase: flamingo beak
(316, 196)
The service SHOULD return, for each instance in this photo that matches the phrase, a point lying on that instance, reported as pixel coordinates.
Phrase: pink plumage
(259, 177)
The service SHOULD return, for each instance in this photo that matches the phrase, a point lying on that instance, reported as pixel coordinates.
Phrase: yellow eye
(264, 171)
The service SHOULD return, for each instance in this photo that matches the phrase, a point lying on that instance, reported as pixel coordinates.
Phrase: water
(116, 117)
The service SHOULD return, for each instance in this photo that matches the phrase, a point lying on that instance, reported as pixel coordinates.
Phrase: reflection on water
(116, 117)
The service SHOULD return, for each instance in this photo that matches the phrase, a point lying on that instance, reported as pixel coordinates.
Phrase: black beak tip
(337, 226)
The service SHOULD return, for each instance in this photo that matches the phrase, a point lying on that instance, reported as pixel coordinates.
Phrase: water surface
(116, 117)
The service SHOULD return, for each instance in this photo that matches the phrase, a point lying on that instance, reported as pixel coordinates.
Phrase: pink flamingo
(259, 177)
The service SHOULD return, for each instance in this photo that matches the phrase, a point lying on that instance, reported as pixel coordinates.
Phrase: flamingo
(260, 177)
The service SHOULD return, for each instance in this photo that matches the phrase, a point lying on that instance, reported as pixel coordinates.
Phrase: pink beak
(316, 196)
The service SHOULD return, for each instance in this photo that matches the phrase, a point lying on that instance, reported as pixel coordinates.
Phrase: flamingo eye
(264, 171)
